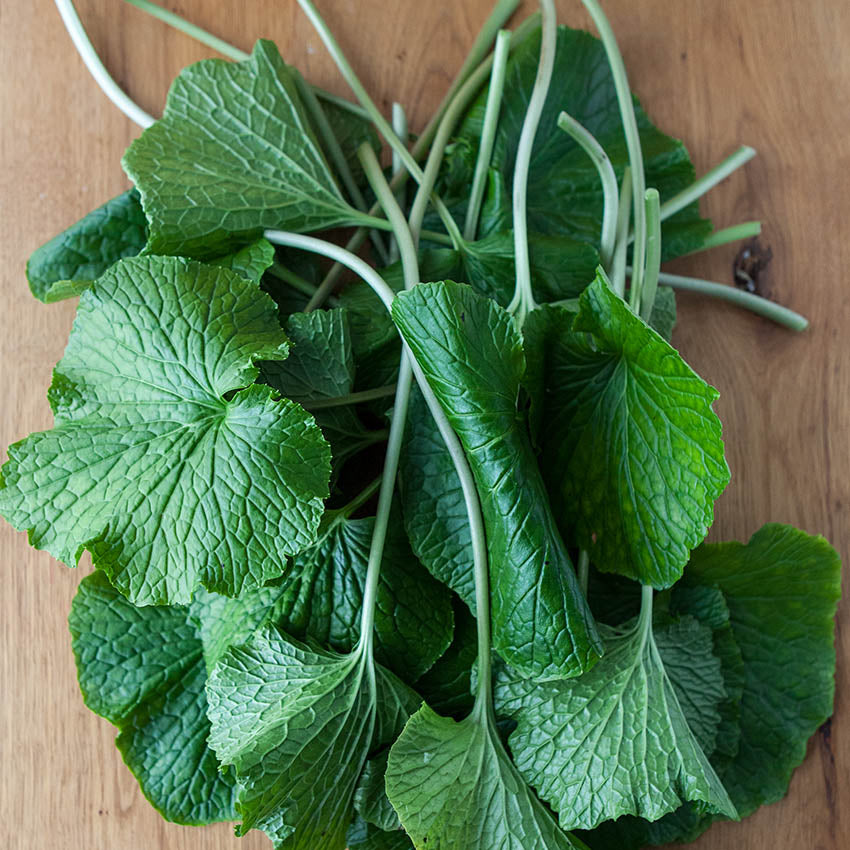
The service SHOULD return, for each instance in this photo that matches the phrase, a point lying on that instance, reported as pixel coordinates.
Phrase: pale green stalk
(97, 69)
(523, 301)
(610, 193)
(227, 49)
(488, 133)
(653, 253)
(627, 113)
(618, 264)
(708, 181)
(754, 303)
(735, 233)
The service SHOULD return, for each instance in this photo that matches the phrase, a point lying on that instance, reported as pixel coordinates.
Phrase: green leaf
(454, 786)
(156, 466)
(472, 356)
(447, 686)
(614, 741)
(366, 836)
(560, 169)
(296, 724)
(631, 445)
(210, 180)
(433, 505)
(143, 670)
(370, 798)
(782, 589)
(323, 594)
(88, 248)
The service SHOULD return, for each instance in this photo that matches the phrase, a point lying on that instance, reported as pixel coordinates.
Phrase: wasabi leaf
(153, 691)
(88, 248)
(472, 356)
(630, 444)
(213, 180)
(564, 193)
(156, 466)
(614, 741)
(782, 589)
(453, 785)
(432, 500)
(296, 725)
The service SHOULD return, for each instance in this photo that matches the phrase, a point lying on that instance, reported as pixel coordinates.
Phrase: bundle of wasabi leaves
(402, 544)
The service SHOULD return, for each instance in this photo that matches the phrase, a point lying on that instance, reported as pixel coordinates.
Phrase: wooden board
(771, 73)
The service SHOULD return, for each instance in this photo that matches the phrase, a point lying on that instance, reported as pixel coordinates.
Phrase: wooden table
(771, 73)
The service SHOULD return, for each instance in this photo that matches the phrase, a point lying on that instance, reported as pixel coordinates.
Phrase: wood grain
(771, 73)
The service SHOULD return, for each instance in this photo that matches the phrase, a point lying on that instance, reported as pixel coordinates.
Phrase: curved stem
(488, 133)
(653, 253)
(708, 181)
(226, 49)
(618, 264)
(523, 301)
(627, 112)
(461, 101)
(461, 465)
(583, 137)
(97, 69)
(754, 303)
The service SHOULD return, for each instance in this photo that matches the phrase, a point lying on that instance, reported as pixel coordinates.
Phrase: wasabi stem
(480, 47)
(588, 143)
(523, 301)
(97, 69)
(708, 181)
(653, 253)
(332, 147)
(618, 264)
(754, 303)
(627, 112)
(488, 133)
(735, 233)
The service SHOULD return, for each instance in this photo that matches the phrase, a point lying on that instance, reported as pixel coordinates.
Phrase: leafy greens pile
(393, 560)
